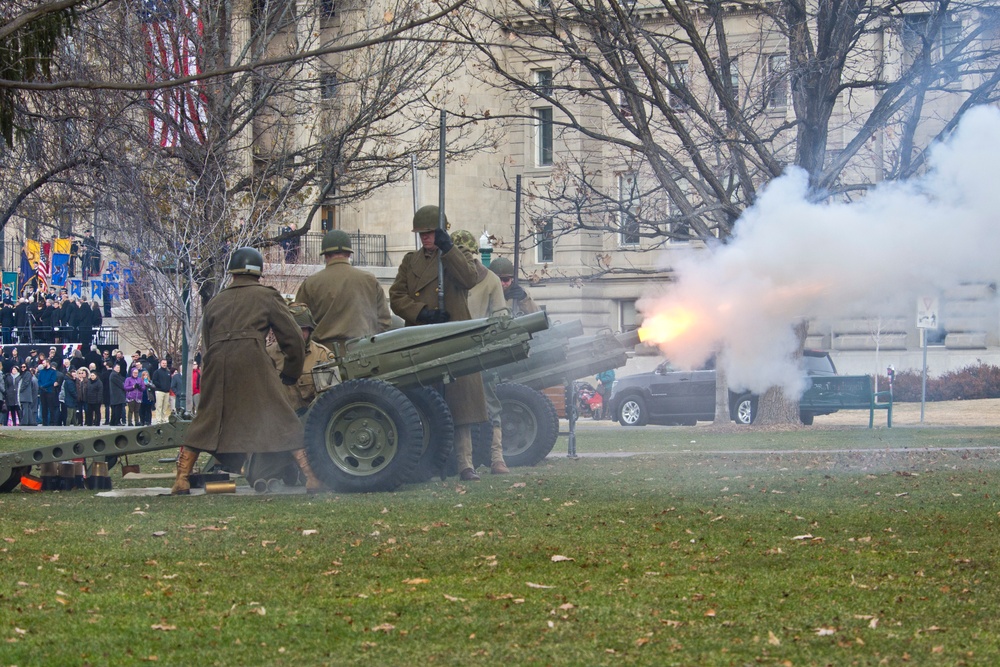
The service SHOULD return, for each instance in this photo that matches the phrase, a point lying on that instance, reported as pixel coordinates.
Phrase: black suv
(669, 396)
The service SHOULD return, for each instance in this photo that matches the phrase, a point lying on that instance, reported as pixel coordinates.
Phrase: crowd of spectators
(50, 317)
(93, 389)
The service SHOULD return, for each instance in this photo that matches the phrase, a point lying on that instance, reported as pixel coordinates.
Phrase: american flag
(42, 270)
(171, 29)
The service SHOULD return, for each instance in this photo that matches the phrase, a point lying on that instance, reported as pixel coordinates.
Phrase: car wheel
(632, 412)
(806, 418)
(746, 410)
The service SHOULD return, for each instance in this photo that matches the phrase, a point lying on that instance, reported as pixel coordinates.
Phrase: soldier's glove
(443, 242)
(287, 379)
(433, 316)
(515, 292)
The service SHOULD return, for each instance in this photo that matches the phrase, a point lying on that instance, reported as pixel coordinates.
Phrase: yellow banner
(33, 250)
(61, 246)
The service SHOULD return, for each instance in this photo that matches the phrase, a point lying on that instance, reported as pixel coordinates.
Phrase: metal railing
(369, 249)
(49, 335)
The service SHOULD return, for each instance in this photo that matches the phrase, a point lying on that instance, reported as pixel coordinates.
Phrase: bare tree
(670, 116)
(294, 107)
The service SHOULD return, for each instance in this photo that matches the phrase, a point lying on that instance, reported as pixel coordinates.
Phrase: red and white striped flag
(172, 29)
(42, 269)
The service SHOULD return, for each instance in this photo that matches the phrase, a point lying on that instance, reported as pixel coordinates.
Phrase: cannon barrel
(558, 361)
(435, 353)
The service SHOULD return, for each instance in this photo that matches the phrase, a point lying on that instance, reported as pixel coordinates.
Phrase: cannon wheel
(363, 435)
(530, 424)
(438, 433)
(14, 479)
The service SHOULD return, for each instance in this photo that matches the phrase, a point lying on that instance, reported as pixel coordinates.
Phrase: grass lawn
(806, 547)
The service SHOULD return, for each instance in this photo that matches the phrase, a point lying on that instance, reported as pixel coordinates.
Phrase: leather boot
(463, 453)
(497, 465)
(313, 485)
(185, 463)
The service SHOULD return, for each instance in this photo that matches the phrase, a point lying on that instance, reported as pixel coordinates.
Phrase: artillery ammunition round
(220, 487)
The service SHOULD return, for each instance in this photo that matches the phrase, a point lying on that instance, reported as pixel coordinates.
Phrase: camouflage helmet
(503, 267)
(465, 240)
(246, 260)
(426, 219)
(302, 315)
(336, 240)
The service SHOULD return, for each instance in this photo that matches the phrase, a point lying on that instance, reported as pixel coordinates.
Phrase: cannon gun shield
(363, 435)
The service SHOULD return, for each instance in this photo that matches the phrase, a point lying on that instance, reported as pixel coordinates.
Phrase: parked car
(671, 396)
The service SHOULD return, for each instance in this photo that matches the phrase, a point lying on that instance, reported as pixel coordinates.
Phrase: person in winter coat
(117, 394)
(5, 380)
(27, 397)
(68, 401)
(105, 372)
(82, 380)
(11, 396)
(176, 389)
(81, 321)
(133, 387)
(413, 296)
(93, 394)
(245, 409)
(148, 400)
(161, 380)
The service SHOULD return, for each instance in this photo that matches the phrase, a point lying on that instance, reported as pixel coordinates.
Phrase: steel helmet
(465, 240)
(302, 315)
(246, 260)
(503, 267)
(426, 219)
(336, 240)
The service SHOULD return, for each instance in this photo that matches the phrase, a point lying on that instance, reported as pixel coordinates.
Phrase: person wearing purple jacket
(134, 387)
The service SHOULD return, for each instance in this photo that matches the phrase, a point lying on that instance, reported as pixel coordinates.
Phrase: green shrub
(969, 383)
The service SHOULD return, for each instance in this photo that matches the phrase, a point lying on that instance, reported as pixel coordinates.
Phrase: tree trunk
(774, 407)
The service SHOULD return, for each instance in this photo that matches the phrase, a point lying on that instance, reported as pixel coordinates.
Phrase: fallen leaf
(873, 623)
(452, 598)
(309, 531)
(159, 533)
(161, 626)
(567, 606)
(642, 641)
(710, 613)
(20, 631)
(385, 627)
(521, 485)
(531, 585)
(414, 582)
(807, 536)
(559, 559)
(772, 639)
(825, 632)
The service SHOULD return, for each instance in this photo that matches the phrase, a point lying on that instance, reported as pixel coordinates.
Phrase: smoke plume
(791, 258)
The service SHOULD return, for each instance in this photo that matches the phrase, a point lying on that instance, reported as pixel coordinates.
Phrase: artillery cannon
(383, 425)
(558, 356)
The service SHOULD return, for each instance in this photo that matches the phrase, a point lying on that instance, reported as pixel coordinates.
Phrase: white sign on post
(927, 312)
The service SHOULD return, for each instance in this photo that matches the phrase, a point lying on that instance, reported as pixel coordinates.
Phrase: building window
(734, 82)
(544, 241)
(628, 198)
(328, 218)
(545, 4)
(327, 8)
(543, 137)
(777, 81)
(543, 82)
(628, 320)
(678, 86)
(328, 86)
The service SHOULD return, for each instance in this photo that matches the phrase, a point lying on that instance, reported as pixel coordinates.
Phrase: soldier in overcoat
(244, 407)
(345, 302)
(414, 297)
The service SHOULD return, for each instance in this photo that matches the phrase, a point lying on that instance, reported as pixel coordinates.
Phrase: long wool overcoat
(415, 286)
(244, 407)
